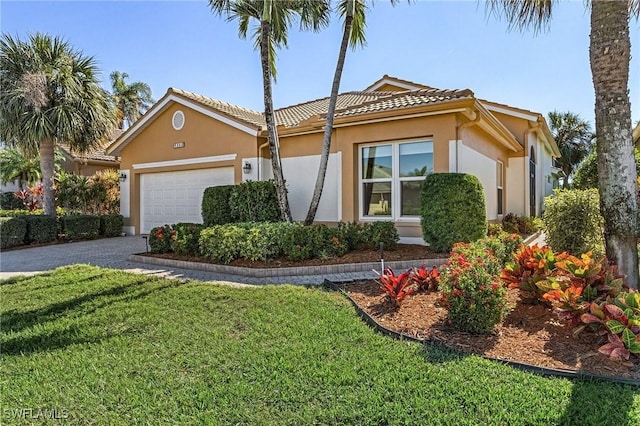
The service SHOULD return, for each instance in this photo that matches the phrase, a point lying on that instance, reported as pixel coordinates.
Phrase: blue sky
(444, 44)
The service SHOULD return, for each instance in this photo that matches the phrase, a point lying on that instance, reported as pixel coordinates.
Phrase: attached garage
(173, 197)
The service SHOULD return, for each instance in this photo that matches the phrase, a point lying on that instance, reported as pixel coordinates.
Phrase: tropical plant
(50, 95)
(275, 18)
(609, 55)
(131, 100)
(573, 136)
(586, 174)
(397, 287)
(426, 279)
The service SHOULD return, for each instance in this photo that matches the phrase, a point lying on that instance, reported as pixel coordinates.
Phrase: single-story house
(386, 138)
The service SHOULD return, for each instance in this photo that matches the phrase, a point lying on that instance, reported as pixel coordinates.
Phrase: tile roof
(97, 153)
(400, 100)
(246, 115)
(348, 104)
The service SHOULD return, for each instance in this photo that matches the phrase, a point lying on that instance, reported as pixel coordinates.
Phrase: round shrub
(453, 210)
(472, 293)
(161, 239)
(255, 201)
(573, 222)
(382, 232)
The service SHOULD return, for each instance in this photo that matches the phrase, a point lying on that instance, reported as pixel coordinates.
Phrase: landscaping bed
(401, 252)
(530, 333)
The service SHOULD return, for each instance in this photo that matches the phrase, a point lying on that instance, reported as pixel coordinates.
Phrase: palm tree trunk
(328, 129)
(46, 166)
(609, 56)
(269, 115)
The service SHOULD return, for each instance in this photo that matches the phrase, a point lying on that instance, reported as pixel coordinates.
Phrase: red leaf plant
(396, 287)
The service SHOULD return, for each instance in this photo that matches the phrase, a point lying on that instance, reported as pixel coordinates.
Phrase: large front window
(391, 176)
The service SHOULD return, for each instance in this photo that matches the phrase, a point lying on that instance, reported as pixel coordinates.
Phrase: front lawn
(107, 347)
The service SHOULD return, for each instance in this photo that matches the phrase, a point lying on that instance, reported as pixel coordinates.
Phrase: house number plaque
(178, 145)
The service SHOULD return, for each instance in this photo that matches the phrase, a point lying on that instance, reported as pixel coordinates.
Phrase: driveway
(114, 253)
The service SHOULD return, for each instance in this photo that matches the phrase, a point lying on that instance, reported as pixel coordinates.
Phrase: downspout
(459, 128)
(527, 176)
(260, 148)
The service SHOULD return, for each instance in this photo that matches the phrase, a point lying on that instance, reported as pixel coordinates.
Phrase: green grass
(109, 347)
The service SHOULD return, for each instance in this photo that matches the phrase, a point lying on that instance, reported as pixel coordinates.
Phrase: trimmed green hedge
(453, 210)
(187, 239)
(111, 225)
(81, 226)
(41, 229)
(255, 201)
(9, 201)
(248, 202)
(216, 209)
(12, 231)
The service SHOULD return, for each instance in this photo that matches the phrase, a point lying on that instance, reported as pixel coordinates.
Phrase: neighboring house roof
(636, 135)
(97, 154)
(353, 106)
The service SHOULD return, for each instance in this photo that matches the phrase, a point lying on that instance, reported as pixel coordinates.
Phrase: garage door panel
(172, 197)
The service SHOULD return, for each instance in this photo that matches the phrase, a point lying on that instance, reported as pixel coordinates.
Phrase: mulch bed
(402, 252)
(530, 334)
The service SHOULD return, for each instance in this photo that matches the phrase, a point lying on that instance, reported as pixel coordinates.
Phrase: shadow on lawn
(77, 309)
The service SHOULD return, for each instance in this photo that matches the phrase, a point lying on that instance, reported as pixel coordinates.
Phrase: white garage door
(172, 197)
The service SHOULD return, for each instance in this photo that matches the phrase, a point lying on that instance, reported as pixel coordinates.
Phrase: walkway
(114, 253)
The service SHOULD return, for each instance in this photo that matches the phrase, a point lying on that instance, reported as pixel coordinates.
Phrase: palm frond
(522, 14)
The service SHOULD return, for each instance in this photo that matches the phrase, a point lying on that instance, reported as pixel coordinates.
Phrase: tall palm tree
(354, 14)
(50, 95)
(609, 55)
(131, 100)
(573, 136)
(274, 18)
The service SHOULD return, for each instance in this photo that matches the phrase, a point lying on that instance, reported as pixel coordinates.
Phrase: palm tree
(16, 166)
(354, 14)
(131, 100)
(573, 136)
(50, 95)
(609, 55)
(274, 18)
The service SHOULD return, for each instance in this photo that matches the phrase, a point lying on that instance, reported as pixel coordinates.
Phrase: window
(499, 184)
(391, 177)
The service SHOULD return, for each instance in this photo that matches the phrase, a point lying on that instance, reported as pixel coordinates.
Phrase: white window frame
(500, 187)
(395, 180)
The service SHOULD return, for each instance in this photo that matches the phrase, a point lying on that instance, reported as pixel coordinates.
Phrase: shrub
(494, 229)
(262, 240)
(12, 231)
(326, 242)
(161, 239)
(187, 239)
(529, 265)
(111, 225)
(298, 242)
(573, 222)
(41, 229)
(222, 243)
(9, 201)
(381, 232)
(586, 175)
(253, 201)
(353, 234)
(514, 224)
(426, 279)
(476, 302)
(81, 226)
(216, 209)
(453, 210)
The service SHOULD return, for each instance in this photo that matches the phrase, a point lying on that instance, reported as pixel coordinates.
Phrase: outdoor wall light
(246, 168)
(122, 177)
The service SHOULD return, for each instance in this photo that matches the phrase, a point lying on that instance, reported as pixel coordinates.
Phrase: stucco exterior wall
(203, 138)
